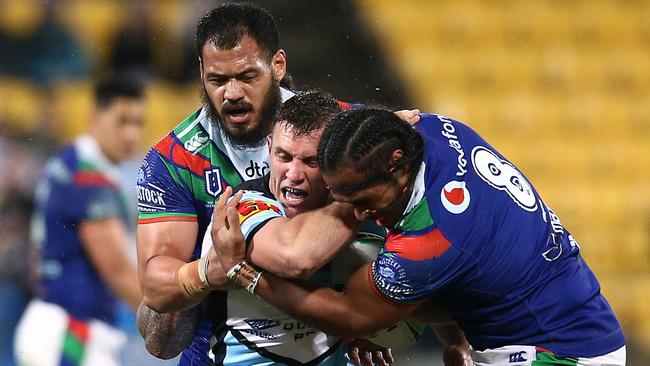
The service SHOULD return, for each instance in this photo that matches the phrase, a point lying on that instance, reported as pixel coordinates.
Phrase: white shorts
(47, 336)
(526, 355)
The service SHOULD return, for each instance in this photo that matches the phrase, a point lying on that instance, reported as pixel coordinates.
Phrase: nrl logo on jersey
(196, 142)
(213, 181)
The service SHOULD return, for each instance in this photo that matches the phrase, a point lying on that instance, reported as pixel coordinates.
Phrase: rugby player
(80, 227)
(258, 333)
(222, 144)
(468, 233)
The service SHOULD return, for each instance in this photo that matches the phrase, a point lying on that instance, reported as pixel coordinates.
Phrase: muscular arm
(106, 244)
(164, 247)
(355, 313)
(298, 247)
(166, 335)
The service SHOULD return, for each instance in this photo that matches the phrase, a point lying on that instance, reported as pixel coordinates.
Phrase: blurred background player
(80, 228)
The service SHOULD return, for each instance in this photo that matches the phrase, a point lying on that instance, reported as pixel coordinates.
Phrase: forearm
(162, 289)
(450, 334)
(123, 282)
(322, 307)
(166, 335)
(306, 242)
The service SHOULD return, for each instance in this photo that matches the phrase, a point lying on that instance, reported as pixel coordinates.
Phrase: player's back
(504, 264)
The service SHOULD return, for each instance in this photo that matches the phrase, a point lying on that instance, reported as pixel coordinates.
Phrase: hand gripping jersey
(79, 184)
(477, 238)
(257, 333)
(180, 179)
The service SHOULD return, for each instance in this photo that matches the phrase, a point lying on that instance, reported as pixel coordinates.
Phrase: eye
(248, 78)
(218, 80)
(283, 157)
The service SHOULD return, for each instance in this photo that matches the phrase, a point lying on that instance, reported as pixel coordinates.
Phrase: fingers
(223, 198)
(388, 355)
(353, 354)
(232, 218)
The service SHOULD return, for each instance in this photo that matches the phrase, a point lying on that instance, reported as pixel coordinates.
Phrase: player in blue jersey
(222, 144)
(80, 228)
(468, 233)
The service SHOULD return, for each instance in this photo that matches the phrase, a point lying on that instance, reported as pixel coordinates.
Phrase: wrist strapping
(204, 263)
(245, 275)
(190, 281)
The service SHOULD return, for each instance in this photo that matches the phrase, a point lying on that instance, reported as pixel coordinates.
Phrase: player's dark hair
(227, 24)
(117, 85)
(307, 112)
(364, 139)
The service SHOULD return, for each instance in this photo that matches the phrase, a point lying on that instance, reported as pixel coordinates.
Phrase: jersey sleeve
(162, 193)
(255, 210)
(96, 202)
(415, 266)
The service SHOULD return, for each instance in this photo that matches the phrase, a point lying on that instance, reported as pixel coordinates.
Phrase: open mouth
(237, 113)
(293, 195)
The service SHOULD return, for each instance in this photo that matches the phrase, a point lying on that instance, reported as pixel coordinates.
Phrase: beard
(256, 136)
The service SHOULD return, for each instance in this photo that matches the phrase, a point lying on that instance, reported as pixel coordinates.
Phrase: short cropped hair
(227, 24)
(306, 113)
(117, 85)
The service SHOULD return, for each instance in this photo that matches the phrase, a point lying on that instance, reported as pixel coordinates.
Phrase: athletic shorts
(47, 336)
(534, 356)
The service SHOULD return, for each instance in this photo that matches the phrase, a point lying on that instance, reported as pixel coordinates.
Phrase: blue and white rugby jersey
(477, 239)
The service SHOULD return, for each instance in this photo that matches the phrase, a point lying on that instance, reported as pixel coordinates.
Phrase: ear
(269, 142)
(395, 157)
(279, 65)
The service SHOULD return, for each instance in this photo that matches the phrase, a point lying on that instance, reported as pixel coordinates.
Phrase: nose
(295, 173)
(233, 91)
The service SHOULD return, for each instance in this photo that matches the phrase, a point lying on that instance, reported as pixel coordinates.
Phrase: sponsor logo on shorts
(455, 197)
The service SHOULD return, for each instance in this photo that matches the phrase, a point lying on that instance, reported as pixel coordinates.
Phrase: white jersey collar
(89, 149)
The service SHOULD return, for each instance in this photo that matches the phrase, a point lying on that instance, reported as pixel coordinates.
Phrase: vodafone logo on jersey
(455, 197)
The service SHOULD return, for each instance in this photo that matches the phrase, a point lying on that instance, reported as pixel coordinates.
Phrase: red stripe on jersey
(344, 105)
(79, 329)
(418, 248)
(175, 152)
(91, 178)
(167, 218)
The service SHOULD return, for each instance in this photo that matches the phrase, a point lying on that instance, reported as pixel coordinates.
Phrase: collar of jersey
(418, 191)
(89, 149)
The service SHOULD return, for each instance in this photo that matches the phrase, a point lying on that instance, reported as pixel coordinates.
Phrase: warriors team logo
(455, 197)
(213, 181)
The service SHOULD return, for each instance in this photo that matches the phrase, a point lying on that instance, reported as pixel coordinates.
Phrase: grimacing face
(382, 202)
(241, 89)
(296, 180)
(118, 128)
